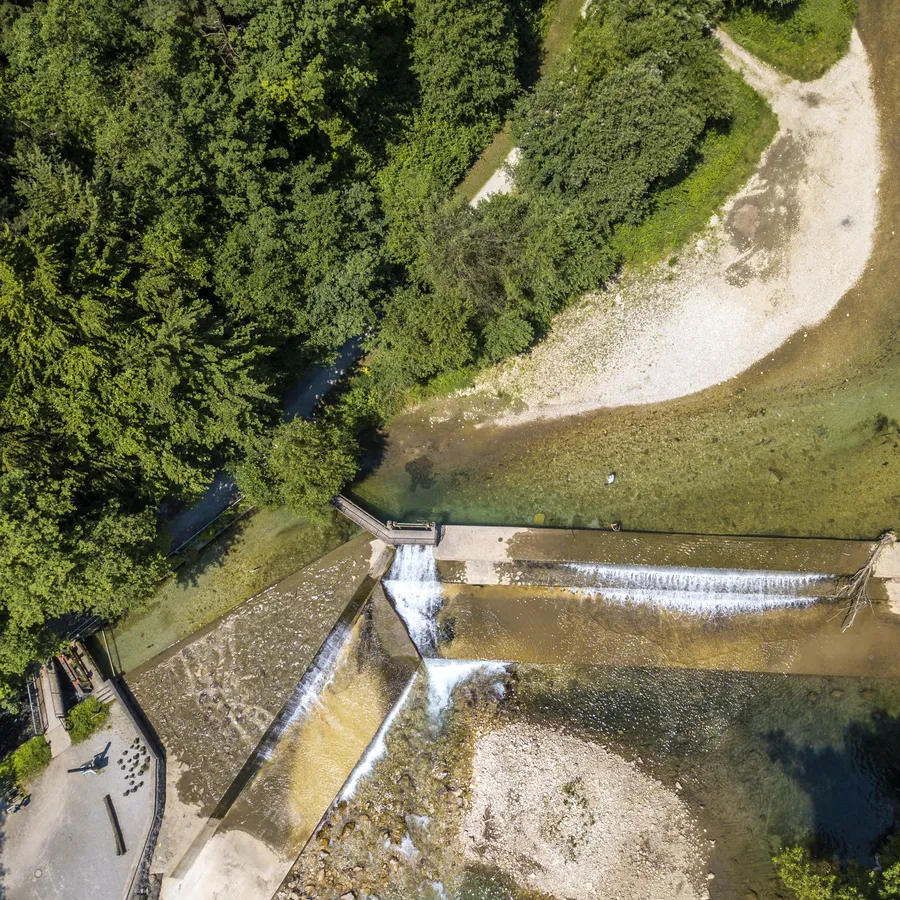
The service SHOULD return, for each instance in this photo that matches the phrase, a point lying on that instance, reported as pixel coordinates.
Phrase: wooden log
(114, 822)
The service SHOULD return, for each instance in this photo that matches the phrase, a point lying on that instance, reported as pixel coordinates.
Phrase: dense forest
(200, 199)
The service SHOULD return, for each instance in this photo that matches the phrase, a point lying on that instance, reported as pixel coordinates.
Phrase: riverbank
(777, 259)
(566, 817)
(803, 443)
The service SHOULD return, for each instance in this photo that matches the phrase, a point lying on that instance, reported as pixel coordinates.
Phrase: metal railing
(39, 720)
(393, 533)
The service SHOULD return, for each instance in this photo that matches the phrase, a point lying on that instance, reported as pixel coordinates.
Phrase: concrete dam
(469, 599)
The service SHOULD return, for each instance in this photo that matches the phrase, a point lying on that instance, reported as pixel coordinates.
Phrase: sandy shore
(567, 817)
(777, 261)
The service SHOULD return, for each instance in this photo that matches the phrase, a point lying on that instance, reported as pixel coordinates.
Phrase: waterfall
(378, 747)
(701, 591)
(444, 675)
(309, 689)
(413, 586)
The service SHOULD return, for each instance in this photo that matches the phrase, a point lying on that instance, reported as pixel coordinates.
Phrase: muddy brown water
(565, 626)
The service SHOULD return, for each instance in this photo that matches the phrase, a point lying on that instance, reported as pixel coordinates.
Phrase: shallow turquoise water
(762, 760)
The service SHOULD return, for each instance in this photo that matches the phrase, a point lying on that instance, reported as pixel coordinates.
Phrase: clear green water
(761, 760)
(767, 759)
(816, 462)
(255, 552)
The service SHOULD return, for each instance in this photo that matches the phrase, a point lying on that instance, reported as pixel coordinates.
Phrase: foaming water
(702, 591)
(378, 748)
(413, 586)
(445, 675)
(309, 689)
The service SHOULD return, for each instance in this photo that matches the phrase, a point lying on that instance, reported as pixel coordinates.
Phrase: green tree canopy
(306, 465)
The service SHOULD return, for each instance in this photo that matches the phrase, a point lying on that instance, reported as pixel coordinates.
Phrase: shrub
(88, 717)
(25, 762)
(803, 39)
(306, 465)
(811, 879)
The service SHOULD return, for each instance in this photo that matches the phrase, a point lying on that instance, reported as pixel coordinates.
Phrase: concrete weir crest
(474, 599)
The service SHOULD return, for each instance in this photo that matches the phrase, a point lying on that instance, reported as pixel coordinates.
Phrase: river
(803, 443)
(550, 724)
(756, 726)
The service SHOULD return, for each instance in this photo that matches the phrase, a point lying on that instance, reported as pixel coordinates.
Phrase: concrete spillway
(265, 820)
(485, 598)
(599, 598)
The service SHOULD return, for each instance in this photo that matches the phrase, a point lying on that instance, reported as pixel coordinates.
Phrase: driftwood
(856, 589)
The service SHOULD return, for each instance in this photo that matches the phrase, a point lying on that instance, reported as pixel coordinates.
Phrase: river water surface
(770, 724)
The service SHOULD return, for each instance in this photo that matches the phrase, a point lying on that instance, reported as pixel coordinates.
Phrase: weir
(260, 827)
(485, 599)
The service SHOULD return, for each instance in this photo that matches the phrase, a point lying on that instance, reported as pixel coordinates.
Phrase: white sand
(783, 253)
(564, 816)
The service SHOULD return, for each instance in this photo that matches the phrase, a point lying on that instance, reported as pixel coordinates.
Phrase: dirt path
(783, 253)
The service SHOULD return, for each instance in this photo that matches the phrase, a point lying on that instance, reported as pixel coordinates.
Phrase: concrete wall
(496, 555)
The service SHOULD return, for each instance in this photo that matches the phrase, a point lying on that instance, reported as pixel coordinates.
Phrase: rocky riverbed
(575, 820)
(483, 795)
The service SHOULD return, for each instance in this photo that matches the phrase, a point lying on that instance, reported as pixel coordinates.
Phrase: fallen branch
(856, 589)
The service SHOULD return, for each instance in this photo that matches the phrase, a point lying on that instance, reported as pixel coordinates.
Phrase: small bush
(24, 763)
(85, 719)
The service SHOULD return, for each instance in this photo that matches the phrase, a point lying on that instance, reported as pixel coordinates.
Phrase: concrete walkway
(61, 846)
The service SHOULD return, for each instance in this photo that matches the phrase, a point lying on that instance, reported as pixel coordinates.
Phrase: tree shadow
(854, 787)
(212, 555)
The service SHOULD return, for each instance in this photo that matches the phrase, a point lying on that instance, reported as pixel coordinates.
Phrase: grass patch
(558, 30)
(488, 163)
(803, 42)
(725, 161)
(25, 762)
(86, 719)
(440, 386)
